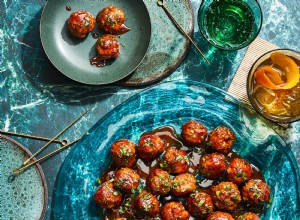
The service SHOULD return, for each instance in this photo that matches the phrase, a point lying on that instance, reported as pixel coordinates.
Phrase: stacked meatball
(111, 19)
(232, 184)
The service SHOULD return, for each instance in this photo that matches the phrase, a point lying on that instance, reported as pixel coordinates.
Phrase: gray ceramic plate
(71, 56)
(25, 196)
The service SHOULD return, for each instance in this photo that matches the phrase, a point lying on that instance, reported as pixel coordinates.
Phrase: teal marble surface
(36, 99)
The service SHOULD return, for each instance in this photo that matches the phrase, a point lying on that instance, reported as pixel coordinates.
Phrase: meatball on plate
(106, 196)
(226, 196)
(112, 20)
(69, 38)
(81, 23)
(183, 184)
(239, 171)
(256, 191)
(127, 180)
(175, 161)
(146, 204)
(193, 132)
(108, 47)
(174, 211)
(159, 182)
(123, 153)
(221, 139)
(212, 166)
(150, 147)
(200, 204)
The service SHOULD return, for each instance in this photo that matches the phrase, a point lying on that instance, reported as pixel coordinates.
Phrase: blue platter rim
(283, 146)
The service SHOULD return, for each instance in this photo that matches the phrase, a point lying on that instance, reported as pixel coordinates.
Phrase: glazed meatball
(183, 184)
(175, 161)
(123, 153)
(193, 132)
(174, 211)
(256, 192)
(226, 196)
(106, 196)
(150, 147)
(200, 204)
(127, 180)
(220, 216)
(111, 19)
(212, 166)
(81, 23)
(146, 204)
(108, 47)
(159, 182)
(239, 171)
(221, 139)
(248, 216)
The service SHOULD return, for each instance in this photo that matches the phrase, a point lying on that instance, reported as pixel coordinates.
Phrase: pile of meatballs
(172, 178)
(111, 19)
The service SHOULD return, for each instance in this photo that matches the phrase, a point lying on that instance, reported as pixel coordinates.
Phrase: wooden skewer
(66, 128)
(161, 4)
(62, 142)
(18, 171)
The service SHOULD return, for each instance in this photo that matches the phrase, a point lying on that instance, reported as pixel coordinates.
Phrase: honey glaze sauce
(68, 8)
(171, 139)
(97, 61)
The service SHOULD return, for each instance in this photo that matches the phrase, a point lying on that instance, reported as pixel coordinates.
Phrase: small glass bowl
(251, 87)
(236, 44)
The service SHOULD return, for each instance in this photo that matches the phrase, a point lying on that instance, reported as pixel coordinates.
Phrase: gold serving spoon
(161, 4)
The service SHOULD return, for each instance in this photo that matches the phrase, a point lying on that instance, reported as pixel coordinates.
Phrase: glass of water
(230, 24)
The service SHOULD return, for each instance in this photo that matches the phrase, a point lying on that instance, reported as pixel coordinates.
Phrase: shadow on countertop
(48, 80)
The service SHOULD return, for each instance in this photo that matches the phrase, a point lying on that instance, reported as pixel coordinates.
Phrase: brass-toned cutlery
(61, 142)
(18, 171)
(54, 138)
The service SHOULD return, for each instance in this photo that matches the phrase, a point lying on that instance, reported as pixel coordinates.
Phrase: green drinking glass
(230, 24)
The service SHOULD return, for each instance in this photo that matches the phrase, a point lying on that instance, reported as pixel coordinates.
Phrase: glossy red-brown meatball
(146, 204)
(220, 216)
(248, 216)
(200, 204)
(239, 171)
(175, 161)
(183, 184)
(226, 196)
(111, 19)
(108, 47)
(193, 132)
(81, 23)
(127, 180)
(150, 147)
(159, 182)
(174, 211)
(212, 166)
(256, 192)
(106, 196)
(221, 139)
(123, 153)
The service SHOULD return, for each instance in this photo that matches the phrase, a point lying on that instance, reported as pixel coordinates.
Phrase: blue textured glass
(174, 103)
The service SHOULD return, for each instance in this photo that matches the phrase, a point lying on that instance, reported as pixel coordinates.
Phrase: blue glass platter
(174, 103)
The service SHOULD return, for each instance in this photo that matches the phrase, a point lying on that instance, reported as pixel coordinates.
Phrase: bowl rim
(39, 171)
(235, 48)
(288, 121)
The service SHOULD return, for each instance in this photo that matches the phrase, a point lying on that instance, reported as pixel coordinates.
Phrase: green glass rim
(234, 48)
